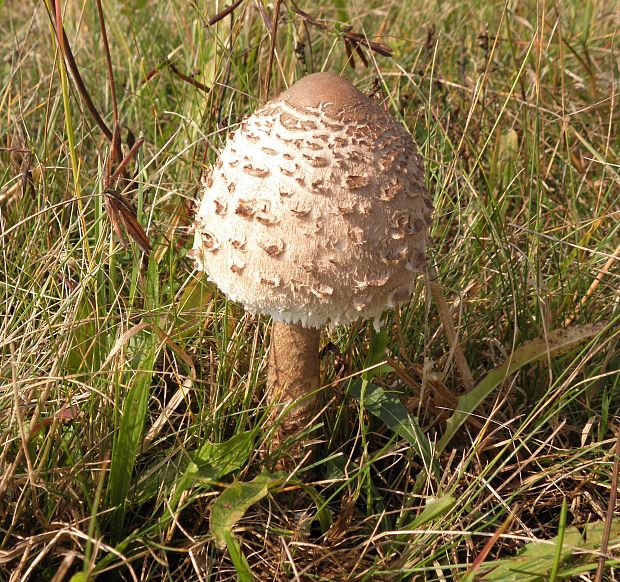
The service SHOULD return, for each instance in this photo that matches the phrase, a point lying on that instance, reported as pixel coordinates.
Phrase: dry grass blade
(123, 218)
(272, 51)
(445, 316)
(556, 343)
(615, 258)
(64, 568)
(267, 22)
(355, 39)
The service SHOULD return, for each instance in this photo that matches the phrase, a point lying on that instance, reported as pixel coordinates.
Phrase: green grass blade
(240, 562)
(559, 543)
(434, 509)
(126, 446)
(135, 405)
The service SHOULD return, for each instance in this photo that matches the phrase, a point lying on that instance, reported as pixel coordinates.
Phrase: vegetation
(132, 426)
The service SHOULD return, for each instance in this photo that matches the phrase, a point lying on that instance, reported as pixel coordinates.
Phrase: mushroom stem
(293, 375)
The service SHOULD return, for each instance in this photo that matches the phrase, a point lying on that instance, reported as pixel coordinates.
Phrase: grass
(131, 391)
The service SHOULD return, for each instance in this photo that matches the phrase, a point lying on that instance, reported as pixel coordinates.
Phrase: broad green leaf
(558, 342)
(235, 500)
(389, 409)
(594, 532)
(534, 562)
(573, 571)
(214, 460)
(536, 559)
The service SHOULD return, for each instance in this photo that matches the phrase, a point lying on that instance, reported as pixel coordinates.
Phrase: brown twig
(120, 212)
(108, 59)
(358, 39)
(211, 22)
(116, 149)
(347, 50)
(224, 13)
(166, 62)
(274, 36)
(352, 40)
(308, 18)
(360, 53)
(188, 79)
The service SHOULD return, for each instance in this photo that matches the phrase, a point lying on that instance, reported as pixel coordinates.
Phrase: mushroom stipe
(315, 214)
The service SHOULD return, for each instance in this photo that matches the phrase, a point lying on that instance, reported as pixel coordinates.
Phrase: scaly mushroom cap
(316, 212)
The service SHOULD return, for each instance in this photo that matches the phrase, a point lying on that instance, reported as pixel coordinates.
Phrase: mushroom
(315, 214)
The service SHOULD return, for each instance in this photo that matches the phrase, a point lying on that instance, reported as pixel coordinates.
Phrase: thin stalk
(293, 376)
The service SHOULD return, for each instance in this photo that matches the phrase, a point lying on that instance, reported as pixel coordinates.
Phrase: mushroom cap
(316, 211)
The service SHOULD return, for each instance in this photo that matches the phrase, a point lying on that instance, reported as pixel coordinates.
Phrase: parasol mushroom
(315, 214)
